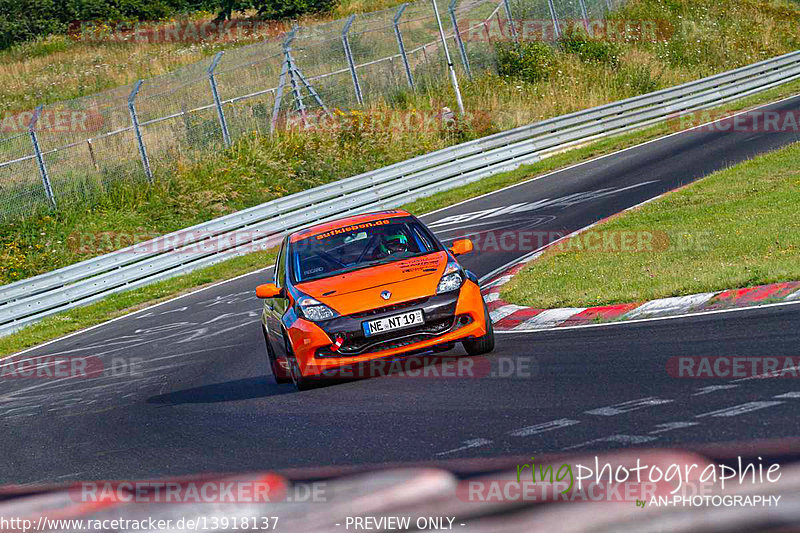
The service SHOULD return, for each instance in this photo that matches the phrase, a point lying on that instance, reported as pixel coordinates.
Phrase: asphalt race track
(187, 389)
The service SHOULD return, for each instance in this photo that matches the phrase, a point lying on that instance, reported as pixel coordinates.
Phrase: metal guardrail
(260, 227)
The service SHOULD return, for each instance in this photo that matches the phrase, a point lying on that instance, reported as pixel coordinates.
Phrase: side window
(280, 266)
(420, 237)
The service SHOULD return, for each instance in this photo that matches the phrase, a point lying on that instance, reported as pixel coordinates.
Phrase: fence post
(276, 107)
(48, 190)
(137, 131)
(585, 15)
(400, 44)
(510, 18)
(450, 67)
(554, 16)
(349, 55)
(464, 59)
(223, 124)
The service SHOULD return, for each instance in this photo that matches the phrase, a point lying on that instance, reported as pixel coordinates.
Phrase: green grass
(709, 37)
(257, 169)
(736, 228)
(124, 303)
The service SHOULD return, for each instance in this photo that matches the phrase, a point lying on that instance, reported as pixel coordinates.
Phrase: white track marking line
(468, 444)
(551, 317)
(713, 388)
(669, 426)
(542, 428)
(796, 295)
(737, 410)
(627, 407)
(530, 256)
(502, 312)
(128, 315)
(770, 375)
(598, 158)
(789, 395)
(619, 439)
(653, 319)
(665, 306)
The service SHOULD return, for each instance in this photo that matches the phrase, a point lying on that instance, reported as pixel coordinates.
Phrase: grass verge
(100, 211)
(124, 303)
(127, 302)
(735, 228)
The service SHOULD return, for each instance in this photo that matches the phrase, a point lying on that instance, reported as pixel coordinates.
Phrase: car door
(276, 307)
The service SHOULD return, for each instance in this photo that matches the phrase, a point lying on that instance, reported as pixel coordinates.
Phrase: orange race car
(368, 287)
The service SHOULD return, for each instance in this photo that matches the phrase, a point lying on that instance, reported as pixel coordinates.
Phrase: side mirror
(268, 290)
(461, 247)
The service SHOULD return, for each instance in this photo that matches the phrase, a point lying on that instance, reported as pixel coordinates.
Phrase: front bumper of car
(449, 318)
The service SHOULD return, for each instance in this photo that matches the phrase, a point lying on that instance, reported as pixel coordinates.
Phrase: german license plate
(390, 323)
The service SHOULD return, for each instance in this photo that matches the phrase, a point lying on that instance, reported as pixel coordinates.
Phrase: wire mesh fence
(75, 150)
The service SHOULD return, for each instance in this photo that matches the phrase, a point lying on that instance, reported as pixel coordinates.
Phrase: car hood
(360, 290)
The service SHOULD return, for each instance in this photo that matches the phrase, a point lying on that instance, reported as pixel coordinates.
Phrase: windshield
(359, 246)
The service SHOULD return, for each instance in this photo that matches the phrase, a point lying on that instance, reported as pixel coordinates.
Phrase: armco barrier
(27, 301)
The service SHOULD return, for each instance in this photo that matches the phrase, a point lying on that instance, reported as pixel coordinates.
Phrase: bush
(24, 20)
(275, 9)
(636, 79)
(529, 61)
(591, 50)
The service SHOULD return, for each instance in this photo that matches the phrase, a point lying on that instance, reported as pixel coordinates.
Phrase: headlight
(313, 310)
(451, 280)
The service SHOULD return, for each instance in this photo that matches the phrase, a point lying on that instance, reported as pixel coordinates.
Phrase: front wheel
(279, 372)
(485, 343)
(300, 381)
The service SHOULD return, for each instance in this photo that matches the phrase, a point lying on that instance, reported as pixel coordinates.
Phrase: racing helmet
(392, 244)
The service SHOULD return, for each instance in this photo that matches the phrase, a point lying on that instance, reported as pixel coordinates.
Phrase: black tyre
(300, 381)
(484, 344)
(280, 374)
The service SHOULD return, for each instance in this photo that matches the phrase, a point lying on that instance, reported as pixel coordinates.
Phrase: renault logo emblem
(386, 295)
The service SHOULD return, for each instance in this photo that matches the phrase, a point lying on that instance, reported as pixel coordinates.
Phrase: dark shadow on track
(230, 391)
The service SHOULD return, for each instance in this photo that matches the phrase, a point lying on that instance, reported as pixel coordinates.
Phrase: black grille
(356, 343)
